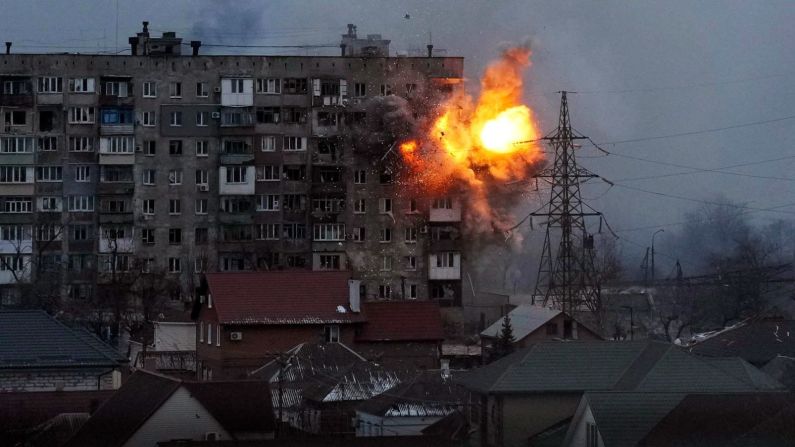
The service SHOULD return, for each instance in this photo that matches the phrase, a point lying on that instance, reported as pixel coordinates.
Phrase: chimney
(342, 49)
(430, 50)
(195, 44)
(351, 30)
(354, 300)
(133, 45)
(146, 27)
(8, 47)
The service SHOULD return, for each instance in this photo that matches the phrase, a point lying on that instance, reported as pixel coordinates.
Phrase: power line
(687, 86)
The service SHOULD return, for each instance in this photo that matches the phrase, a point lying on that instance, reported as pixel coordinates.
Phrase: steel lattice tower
(567, 277)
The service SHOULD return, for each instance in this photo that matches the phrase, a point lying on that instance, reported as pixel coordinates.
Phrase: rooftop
(34, 339)
(757, 341)
(282, 297)
(525, 319)
(401, 321)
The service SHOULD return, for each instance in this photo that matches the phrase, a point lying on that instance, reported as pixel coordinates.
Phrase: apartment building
(182, 164)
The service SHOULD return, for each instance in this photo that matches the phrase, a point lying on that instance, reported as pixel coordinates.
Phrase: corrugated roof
(525, 319)
(428, 393)
(612, 365)
(401, 321)
(623, 419)
(282, 297)
(34, 339)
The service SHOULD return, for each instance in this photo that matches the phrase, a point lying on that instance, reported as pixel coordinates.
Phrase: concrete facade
(189, 164)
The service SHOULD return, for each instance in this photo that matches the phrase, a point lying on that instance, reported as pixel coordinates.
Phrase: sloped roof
(426, 394)
(756, 341)
(401, 321)
(525, 319)
(623, 419)
(763, 419)
(282, 297)
(241, 406)
(34, 339)
(121, 415)
(783, 370)
(611, 365)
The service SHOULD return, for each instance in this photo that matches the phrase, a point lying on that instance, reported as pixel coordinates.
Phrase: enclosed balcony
(117, 121)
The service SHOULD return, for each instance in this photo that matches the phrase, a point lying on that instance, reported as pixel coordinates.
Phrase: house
(152, 408)
(733, 419)
(531, 324)
(756, 341)
(401, 334)
(321, 384)
(535, 388)
(410, 407)
(39, 353)
(248, 318)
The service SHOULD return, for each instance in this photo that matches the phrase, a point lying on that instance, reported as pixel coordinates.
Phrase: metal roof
(525, 319)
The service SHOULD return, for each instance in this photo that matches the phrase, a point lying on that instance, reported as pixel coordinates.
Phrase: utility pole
(652, 251)
(644, 266)
(567, 277)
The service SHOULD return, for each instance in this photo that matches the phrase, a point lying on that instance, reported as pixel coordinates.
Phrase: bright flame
(479, 143)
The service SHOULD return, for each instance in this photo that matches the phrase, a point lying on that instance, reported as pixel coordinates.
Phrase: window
(360, 206)
(445, 203)
(295, 86)
(202, 148)
(445, 260)
(174, 265)
(200, 265)
(50, 85)
(175, 90)
(269, 86)
(385, 178)
(201, 335)
(148, 119)
(48, 144)
(386, 234)
(331, 333)
(294, 115)
(359, 234)
(175, 236)
(329, 232)
(359, 89)
(81, 232)
(412, 292)
(384, 206)
(202, 177)
(174, 206)
(268, 115)
(237, 85)
(18, 205)
(293, 231)
(80, 115)
(201, 206)
(213, 435)
(15, 233)
(150, 148)
(148, 206)
(552, 328)
(117, 145)
(386, 89)
(81, 144)
(147, 236)
(202, 91)
(149, 176)
(16, 118)
(16, 145)
(81, 203)
(82, 85)
(384, 291)
(294, 144)
(268, 202)
(411, 263)
(202, 119)
(386, 263)
(268, 231)
(268, 143)
(591, 435)
(115, 88)
(176, 119)
(49, 203)
(82, 173)
(360, 177)
(294, 202)
(294, 172)
(411, 234)
(201, 235)
(329, 262)
(235, 204)
(410, 88)
(413, 206)
(12, 263)
(47, 232)
(236, 174)
(175, 177)
(268, 173)
(15, 174)
(327, 119)
(150, 89)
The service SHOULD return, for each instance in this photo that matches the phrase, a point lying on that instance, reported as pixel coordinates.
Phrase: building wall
(180, 417)
(420, 355)
(172, 336)
(541, 334)
(578, 431)
(83, 379)
(230, 237)
(512, 419)
(371, 425)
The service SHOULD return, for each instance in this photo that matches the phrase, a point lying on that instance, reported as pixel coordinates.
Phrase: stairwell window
(331, 333)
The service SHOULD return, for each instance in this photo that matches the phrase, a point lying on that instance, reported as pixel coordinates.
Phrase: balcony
(237, 159)
(18, 100)
(116, 121)
(118, 245)
(444, 266)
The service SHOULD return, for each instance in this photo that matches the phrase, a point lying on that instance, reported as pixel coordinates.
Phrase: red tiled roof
(401, 320)
(282, 297)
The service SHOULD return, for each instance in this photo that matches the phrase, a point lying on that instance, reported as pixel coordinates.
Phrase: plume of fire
(476, 143)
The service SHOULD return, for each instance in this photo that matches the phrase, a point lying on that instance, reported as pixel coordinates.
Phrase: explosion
(479, 144)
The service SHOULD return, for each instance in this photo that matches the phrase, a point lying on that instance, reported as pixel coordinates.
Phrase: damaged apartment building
(171, 161)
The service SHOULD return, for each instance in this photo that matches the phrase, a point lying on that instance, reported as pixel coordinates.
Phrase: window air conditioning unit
(217, 89)
(424, 229)
(235, 336)
(204, 188)
(216, 115)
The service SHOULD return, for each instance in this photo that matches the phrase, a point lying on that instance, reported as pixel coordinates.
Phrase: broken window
(46, 120)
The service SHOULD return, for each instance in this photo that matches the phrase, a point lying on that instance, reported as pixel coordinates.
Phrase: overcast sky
(644, 69)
